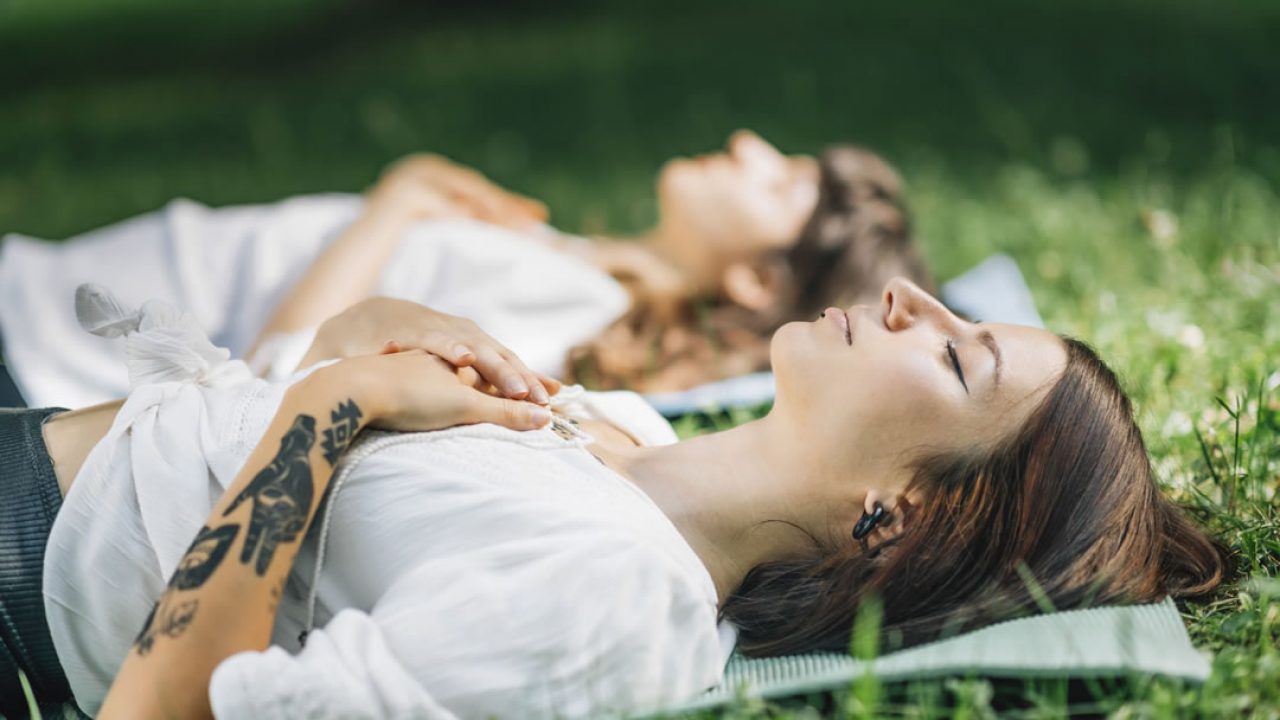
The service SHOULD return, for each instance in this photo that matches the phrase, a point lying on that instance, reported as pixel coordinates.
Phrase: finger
(498, 203)
(460, 355)
(506, 412)
(537, 393)
(498, 370)
(515, 212)
(446, 346)
(550, 384)
(527, 207)
(427, 356)
(493, 209)
(535, 208)
(469, 376)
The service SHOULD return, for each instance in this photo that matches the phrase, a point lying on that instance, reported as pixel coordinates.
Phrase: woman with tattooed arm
(595, 566)
(223, 594)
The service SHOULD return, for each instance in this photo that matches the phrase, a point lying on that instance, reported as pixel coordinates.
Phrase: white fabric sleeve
(606, 626)
(279, 354)
(347, 670)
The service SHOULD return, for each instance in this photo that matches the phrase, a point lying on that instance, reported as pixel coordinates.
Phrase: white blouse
(230, 268)
(471, 572)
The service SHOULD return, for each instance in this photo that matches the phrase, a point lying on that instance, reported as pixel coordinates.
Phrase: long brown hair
(1065, 511)
(858, 237)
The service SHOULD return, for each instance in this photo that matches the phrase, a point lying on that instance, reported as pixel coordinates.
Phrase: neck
(697, 265)
(736, 497)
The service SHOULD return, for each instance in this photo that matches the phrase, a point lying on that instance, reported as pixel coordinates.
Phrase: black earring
(868, 522)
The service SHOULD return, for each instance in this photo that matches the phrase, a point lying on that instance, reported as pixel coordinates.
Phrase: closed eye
(955, 364)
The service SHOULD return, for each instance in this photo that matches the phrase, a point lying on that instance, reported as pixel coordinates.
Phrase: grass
(1125, 153)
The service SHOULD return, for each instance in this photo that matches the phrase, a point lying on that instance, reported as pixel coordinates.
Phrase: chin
(672, 175)
(790, 350)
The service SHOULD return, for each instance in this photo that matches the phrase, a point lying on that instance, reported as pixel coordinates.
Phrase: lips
(841, 319)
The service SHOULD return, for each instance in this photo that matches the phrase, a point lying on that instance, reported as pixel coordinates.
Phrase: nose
(748, 147)
(740, 138)
(903, 304)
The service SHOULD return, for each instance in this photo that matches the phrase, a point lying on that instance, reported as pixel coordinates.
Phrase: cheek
(773, 221)
(722, 210)
(896, 401)
(909, 407)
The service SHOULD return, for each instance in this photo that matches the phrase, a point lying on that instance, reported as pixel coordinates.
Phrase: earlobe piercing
(868, 522)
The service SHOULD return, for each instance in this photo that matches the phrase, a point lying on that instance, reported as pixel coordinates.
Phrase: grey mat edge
(1156, 620)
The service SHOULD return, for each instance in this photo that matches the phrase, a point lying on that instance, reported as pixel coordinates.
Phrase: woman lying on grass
(520, 570)
(746, 240)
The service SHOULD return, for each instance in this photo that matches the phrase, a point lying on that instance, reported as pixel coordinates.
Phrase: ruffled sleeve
(162, 343)
(598, 627)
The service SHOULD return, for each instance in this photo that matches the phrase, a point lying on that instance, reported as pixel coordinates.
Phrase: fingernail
(517, 387)
(539, 394)
(462, 352)
(539, 416)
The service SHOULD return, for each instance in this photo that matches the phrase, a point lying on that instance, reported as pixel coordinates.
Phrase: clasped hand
(425, 186)
(426, 370)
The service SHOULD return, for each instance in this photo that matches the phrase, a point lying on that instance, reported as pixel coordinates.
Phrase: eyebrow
(986, 338)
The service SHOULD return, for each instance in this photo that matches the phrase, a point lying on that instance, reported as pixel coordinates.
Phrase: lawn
(1126, 153)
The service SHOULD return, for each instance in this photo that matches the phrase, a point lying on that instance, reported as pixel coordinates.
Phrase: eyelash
(955, 363)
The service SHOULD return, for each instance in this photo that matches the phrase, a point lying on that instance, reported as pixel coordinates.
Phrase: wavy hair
(857, 238)
(1066, 510)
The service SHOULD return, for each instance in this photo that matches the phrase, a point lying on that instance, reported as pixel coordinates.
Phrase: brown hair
(858, 237)
(1067, 510)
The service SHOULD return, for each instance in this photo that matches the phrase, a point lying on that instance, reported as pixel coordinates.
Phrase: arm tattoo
(345, 424)
(170, 616)
(203, 557)
(281, 494)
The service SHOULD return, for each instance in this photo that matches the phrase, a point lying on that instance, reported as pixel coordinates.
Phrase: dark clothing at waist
(29, 502)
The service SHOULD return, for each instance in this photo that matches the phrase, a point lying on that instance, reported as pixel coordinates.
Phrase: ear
(749, 286)
(899, 506)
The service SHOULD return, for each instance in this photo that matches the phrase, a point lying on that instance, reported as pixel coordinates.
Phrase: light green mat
(1097, 642)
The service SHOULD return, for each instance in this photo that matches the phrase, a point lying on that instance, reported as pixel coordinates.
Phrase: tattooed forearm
(281, 494)
(171, 616)
(204, 556)
(346, 422)
(283, 491)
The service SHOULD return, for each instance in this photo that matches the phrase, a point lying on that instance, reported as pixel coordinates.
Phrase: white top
(230, 268)
(471, 572)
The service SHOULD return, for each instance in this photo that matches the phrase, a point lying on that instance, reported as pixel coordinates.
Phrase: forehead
(1032, 360)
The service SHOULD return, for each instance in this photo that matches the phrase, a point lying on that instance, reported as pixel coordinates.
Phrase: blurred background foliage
(111, 107)
(1125, 152)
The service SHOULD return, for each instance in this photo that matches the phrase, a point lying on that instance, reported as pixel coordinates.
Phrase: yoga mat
(1095, 642)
